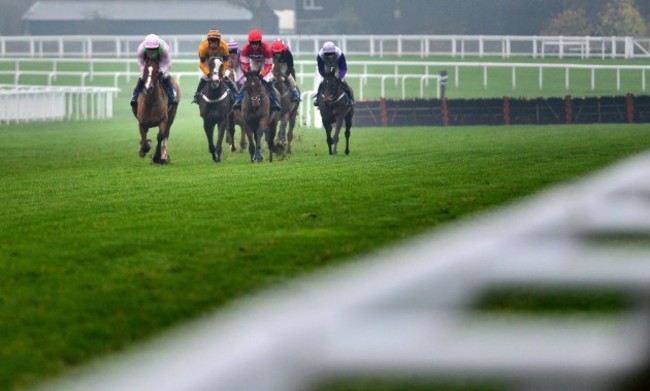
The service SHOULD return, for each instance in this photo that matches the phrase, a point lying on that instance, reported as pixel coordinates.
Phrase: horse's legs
(258, 143)
(230, 134)
(270, 139)
(161, 156)
(208, 127)
(251, 141)
(292, 124)
(282, 134)
(222, 131)
(328, 136)
(348, 126)
(145, 145)
(337, 132)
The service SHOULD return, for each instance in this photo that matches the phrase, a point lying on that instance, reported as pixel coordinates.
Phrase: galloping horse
(154, 110)
(288, 113)
(333, 110)
(215, 105)
(256, 116)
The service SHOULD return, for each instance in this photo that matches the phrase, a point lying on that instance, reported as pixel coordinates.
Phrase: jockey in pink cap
(155, 48)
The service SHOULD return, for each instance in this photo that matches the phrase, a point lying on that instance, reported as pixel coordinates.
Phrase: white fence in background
(359, 45)
(36, 103)
(394, 75)
(411, 313)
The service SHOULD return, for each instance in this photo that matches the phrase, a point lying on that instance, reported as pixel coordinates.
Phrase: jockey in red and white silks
(153, 47)
(256, 56)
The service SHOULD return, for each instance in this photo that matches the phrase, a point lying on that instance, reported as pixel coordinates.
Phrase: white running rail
(504, 46)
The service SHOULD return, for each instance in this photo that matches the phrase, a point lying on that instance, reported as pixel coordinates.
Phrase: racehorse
(154, 110)
(257, 119)
(288, 114)
(215, 106)
(333, 110)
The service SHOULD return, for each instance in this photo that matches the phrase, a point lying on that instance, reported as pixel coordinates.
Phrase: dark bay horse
(215, 106)
(333, 110)
(154, 110)
(288, 114)
(257, 119)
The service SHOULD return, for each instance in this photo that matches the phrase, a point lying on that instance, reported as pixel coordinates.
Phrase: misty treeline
(493, 17)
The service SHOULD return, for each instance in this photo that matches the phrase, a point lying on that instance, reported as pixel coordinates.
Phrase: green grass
(101, 248)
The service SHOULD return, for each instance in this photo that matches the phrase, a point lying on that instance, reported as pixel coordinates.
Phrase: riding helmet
(232, 46)
(214, 34)
(152, 41)
(278, 46)
(329, 47)
(254, 35)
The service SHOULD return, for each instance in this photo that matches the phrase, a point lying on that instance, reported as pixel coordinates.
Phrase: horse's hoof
(161, 161)
(144, 149)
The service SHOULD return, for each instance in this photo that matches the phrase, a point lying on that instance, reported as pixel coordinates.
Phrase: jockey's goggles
(256, 43)
(213, 40)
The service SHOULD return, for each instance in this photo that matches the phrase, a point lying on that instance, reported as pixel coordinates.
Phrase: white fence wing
(35, 103)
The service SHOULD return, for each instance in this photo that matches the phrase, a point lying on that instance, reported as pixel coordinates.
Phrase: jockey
(283, 63)
(155, 48)
(256, 55)
(234, 54)
(331, 57)
(213, 46)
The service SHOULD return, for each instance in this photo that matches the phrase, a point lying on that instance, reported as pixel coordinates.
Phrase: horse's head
(331, 89)
(214, 65)
(150, 75)
(254, 89)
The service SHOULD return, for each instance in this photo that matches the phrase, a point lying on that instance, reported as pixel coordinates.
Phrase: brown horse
(288, 114)
(154, 110)
(215, 106)
(257, 119)
(333, 110)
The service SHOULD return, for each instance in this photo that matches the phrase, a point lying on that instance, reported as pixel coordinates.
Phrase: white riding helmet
(329, 47)
(151, 41)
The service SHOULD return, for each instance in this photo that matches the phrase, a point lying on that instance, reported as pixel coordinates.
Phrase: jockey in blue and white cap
(331, 58)
(153, 47)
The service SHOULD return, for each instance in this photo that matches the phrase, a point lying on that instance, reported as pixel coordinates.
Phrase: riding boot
(232, 91)
(296, 95)
(202, 82)
(348, 94)
(136, 92)
(317, 100)
(238, 98)
(169, 89)
(275, 105)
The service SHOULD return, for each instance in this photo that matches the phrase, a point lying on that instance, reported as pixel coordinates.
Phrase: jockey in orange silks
(155, 48)
(213, 46)
(256, 55)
